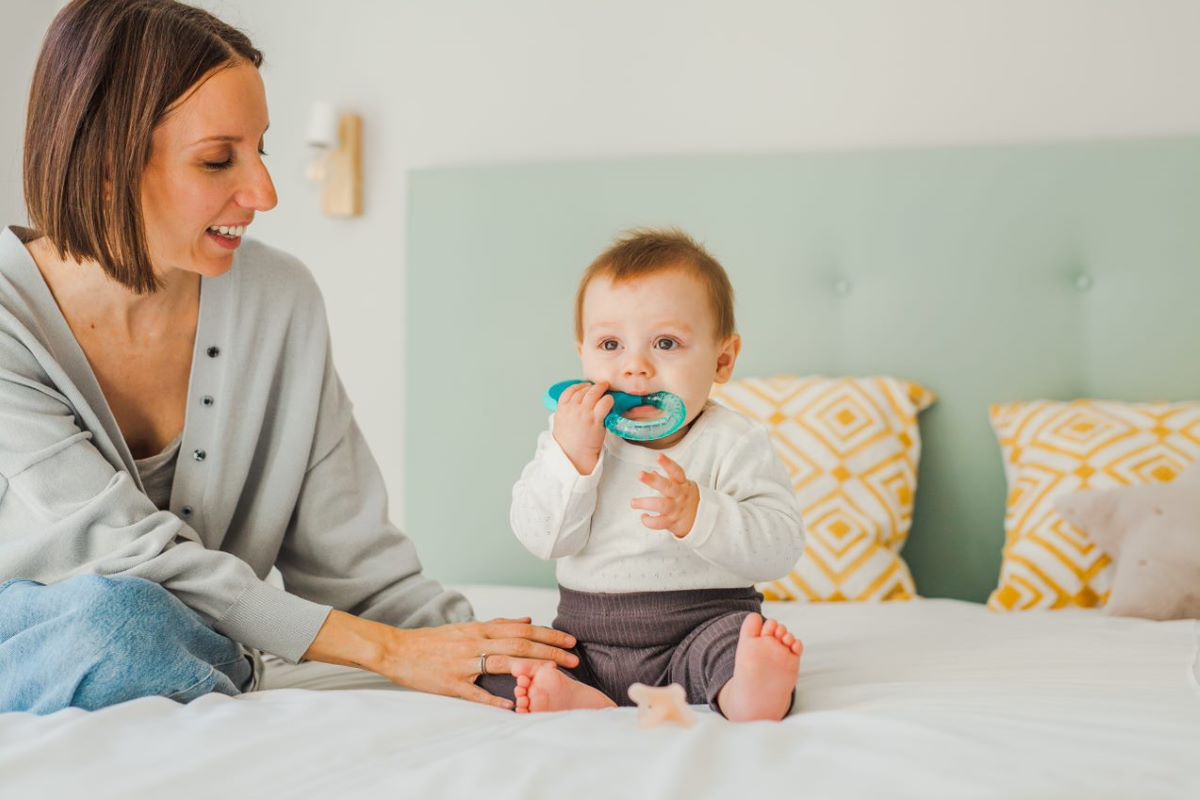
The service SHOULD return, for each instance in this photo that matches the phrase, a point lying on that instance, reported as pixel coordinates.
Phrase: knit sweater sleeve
(749, 522)
(341, 548)
(552, 504)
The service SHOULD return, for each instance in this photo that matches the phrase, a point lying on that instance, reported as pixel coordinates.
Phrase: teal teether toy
(646, 430)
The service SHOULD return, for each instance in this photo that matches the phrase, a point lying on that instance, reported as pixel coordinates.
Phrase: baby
(656, 568)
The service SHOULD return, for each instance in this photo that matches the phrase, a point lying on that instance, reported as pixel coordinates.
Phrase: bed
(929, 699)
(987, 274)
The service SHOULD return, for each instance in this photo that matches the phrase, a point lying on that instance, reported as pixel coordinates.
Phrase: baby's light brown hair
(646, 251)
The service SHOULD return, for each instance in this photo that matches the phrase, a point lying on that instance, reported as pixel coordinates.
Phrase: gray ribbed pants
(656, 638)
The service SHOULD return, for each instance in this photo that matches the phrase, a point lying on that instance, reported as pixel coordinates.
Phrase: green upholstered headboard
(987, 274)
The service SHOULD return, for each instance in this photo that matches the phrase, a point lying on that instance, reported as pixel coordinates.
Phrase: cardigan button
(207, 400)
(213, 352)
(199, 455)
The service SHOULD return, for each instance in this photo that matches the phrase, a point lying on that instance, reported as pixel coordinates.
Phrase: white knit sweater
(747, 529)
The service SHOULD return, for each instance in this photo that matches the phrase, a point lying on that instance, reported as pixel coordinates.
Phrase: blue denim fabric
(91, 642)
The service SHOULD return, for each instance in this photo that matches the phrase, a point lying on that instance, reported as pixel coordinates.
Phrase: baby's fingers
(655, 523)
(572, 393)
(656, 481)
(658, 505)
(594, 393)
(603, 408)
(674, 471)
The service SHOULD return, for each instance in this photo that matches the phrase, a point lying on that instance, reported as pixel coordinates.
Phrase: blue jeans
(91, 642)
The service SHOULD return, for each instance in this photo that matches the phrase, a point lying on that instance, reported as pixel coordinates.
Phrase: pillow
(1055, 448)
(1153, 535)
(851, 446)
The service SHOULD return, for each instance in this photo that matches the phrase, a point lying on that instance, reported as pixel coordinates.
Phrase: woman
(171, 422)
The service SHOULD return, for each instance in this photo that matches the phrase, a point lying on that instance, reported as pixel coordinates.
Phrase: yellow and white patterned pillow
(851, 446)
(1054, 448)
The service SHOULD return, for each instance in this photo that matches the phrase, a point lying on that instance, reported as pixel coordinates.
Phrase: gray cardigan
(273, 470)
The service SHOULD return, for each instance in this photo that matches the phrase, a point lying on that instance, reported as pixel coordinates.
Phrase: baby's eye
(666, 344)
(609, 344)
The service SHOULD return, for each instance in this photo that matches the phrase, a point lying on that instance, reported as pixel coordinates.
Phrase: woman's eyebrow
(227, 137)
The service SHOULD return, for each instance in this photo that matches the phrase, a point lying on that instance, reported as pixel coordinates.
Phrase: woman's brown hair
(108, 73)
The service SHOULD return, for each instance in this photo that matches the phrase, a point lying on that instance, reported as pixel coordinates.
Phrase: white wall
(462, 81)
(22, 25)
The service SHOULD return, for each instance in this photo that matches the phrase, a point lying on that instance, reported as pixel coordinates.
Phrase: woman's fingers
(524, 648)
(519, 630)
(507, 620)
(517, 667)
(472, 692)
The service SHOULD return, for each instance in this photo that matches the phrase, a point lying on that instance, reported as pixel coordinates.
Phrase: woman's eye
(215, 165)
(666, 344)
(609, 344)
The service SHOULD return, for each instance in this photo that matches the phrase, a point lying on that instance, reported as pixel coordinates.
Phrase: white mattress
(931, 699)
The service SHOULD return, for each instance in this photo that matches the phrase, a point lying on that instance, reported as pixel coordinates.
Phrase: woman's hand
(442, 660)
(579, 423)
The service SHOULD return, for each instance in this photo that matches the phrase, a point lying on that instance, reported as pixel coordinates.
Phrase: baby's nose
(637, 366)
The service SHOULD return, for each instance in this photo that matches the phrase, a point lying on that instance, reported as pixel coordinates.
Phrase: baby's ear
(727, 357)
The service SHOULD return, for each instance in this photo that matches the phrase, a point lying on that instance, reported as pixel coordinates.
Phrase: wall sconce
(335, 159)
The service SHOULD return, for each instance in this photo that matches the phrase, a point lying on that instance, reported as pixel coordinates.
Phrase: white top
(158, 473)
(747, 529)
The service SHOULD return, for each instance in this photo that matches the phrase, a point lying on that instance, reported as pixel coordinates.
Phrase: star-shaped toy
(662, 705)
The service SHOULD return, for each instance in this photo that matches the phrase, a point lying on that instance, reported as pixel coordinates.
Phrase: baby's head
(655, 313)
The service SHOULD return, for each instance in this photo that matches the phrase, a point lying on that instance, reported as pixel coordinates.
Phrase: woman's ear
(727, 358)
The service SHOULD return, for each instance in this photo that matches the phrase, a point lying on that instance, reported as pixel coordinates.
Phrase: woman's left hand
(443, 660)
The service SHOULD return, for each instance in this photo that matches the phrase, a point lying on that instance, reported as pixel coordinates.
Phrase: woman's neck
(88, 296)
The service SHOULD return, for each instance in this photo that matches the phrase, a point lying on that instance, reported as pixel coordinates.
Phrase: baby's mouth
(641, 413)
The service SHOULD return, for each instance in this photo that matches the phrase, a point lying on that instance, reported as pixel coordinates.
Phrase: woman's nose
(259, 190)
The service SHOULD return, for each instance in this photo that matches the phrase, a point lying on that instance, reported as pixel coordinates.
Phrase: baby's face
(652, 334)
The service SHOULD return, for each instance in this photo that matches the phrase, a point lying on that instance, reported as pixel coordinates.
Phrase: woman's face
(206, 172)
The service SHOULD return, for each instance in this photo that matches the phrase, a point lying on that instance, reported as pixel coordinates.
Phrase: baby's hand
(579, 423)
(677, 506)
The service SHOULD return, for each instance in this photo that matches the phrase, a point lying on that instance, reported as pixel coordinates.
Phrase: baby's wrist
(582, 458)
(584, 465)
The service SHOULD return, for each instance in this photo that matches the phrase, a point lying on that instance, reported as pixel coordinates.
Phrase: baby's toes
(768, 628)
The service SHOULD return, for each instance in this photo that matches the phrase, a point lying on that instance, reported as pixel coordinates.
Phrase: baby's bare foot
(541, 686)
(765, 672)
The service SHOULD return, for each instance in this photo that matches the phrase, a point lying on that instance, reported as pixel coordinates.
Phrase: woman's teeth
(230, 232)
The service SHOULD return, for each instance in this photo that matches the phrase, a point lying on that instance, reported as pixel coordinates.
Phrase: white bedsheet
(931, 699)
